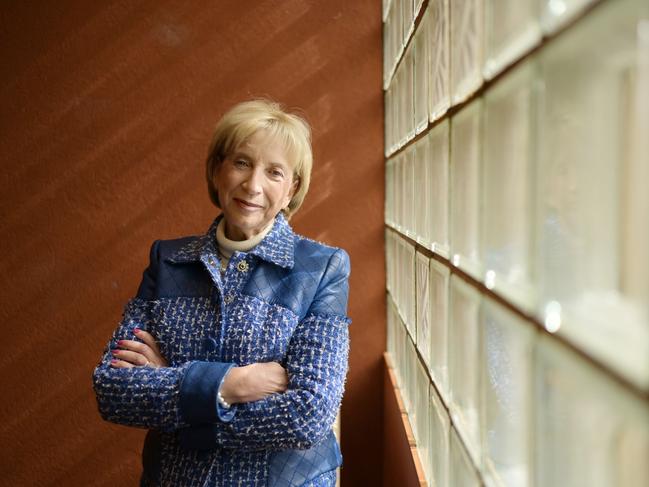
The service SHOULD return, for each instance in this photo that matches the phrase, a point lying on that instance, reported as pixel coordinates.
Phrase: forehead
(267, 146)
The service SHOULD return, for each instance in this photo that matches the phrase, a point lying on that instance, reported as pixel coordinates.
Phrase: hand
(132, 353)
(253, 382)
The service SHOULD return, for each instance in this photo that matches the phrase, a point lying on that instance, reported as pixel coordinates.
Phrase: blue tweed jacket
(284, 301)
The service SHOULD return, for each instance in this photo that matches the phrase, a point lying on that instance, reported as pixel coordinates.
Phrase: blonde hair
(246, 118)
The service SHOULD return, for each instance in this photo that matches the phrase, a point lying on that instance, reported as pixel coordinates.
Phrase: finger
(158, 359)
(134, 346)
(147, 338)
(138, 347)
(134, 358)
(120, 364)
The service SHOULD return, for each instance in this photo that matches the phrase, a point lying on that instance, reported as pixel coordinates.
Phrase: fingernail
(114, 361)
(115, 352)
(120, 343)
(136, 330)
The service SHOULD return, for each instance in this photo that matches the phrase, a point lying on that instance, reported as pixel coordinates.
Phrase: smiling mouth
(247, 205)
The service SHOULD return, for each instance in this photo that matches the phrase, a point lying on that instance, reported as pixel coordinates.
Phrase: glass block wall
(517, 237)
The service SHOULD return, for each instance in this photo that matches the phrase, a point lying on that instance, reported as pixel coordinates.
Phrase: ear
(295, 185)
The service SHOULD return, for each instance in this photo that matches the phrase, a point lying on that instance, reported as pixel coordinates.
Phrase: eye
(276, 173)
(241, 163)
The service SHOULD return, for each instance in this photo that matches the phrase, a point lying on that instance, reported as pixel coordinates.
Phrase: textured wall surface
(107, 110)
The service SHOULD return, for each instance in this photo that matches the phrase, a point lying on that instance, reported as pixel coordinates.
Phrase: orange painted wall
(107, 109)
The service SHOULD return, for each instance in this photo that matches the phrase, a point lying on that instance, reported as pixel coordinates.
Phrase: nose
(252, 183)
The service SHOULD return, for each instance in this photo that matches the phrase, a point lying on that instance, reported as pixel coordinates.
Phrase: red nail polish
(120, 343)
(113, 361)
(115, 352)
(136, 330)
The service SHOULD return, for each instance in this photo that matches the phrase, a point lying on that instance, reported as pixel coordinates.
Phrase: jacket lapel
(278, 247)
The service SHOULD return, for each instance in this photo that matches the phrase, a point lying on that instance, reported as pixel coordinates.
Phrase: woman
(234, 351)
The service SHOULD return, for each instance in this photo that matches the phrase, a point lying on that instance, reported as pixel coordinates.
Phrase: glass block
(390, 257)
(421, 47)
(439, 188)
(438, 362)
(464, 363)
(386, 8)
(400, 345)
(592, 206)
(391, 119)
(418, 171)
(507, 184)
(403, 361)
(405, 195)
(440, 425)
(512, 29)
(409, 288)
(423, 306)
(392, 323)
(408, 194)
(399, 275)
(466, 146)
(388, 127)
(421, 192)
(466, 48)
(392, 43)
(395, 95)
(408, 67)
(397, 187)
(407, 10)
(397, 270)
(389, 191)
(411, 380)
(556, 13)
(439, 65)
(507, 382)
(402, 117)
(590, 430)
(422, 425)
(396, 263)
(394, 190)
(398, 29)
(462, 472)
(387, 51)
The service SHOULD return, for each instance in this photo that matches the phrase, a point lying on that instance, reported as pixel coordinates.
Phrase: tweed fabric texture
(285, 300)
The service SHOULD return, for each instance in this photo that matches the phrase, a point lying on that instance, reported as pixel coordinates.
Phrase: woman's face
(254, 184)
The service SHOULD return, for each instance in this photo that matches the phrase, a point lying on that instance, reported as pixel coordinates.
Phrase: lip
(246, 205)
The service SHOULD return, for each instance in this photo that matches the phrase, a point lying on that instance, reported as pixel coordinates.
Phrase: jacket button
(242, 266)
(228, 299)
(210, 344)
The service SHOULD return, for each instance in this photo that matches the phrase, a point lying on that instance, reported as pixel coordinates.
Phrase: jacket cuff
(198, 393)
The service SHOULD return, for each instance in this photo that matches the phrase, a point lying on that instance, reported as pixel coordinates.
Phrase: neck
(228, 246)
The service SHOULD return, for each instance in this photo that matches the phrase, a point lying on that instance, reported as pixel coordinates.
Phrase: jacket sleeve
(151, 397)
(316, 364)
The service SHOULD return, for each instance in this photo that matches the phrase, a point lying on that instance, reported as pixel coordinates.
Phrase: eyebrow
(243, 153)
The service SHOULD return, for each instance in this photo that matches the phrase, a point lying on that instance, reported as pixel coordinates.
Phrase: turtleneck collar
(227, 247)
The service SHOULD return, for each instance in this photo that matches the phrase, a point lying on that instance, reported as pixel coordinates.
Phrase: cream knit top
(227, 247)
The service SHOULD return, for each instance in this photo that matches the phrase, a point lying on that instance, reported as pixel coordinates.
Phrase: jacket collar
(277, 247)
